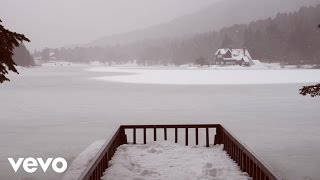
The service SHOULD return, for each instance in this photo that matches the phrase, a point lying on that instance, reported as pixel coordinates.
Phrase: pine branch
(8, 41)
(313, 90)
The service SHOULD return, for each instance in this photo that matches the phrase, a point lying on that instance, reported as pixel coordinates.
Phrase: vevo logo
(30, 164)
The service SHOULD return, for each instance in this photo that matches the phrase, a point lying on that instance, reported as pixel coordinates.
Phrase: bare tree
(8, 41)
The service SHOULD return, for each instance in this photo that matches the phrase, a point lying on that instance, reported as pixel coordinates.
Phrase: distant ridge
(216, 16)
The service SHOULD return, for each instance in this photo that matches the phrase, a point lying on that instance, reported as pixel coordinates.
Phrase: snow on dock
(81, 162)
(165, 160)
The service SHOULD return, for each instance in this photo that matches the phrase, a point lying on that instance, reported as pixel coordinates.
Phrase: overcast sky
(55, 23)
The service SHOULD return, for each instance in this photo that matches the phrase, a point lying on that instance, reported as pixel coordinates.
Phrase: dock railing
(242, 155)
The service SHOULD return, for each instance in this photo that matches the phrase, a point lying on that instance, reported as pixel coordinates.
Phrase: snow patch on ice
(208, 76)
(165, 160)
(80, 163)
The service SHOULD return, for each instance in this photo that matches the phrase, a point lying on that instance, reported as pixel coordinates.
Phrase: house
(230, 56)
(52, 56)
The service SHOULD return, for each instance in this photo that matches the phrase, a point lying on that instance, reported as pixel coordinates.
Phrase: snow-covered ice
(208, 76)
(165, 160)
(58, 111)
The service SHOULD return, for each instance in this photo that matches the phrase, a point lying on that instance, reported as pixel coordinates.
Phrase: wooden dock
(242, 155)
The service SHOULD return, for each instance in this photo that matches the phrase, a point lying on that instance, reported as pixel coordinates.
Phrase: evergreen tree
(8, 41)
(45, 54)
(248, 39)
(22, 56)
(201, 61)
(226, 42)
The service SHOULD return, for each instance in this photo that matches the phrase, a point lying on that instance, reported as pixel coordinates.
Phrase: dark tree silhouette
(226, 42)
(22, 57)
(8, 41)
(201, 61)
(313, 90)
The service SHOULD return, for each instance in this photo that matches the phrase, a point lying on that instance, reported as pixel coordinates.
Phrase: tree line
(289, 38)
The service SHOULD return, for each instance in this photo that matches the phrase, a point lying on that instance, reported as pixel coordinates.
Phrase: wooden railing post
(176, 135)
(134, 136)
(207, 137)
(187, 136)
(123, 136)
(165, 134)
(218, 136)
(144, 135)
(155, 134)
(197, 136)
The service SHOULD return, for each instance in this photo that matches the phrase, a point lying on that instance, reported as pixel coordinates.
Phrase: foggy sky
(55, 23)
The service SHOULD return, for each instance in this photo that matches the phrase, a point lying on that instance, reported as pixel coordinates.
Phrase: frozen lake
(59, 111)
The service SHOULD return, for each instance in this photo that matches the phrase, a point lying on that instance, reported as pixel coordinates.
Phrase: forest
(288, 38)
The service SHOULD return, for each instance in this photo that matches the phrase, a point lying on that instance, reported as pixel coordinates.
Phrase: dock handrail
(247, 160)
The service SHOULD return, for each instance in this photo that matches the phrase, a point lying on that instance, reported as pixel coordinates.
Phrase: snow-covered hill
(218, 15)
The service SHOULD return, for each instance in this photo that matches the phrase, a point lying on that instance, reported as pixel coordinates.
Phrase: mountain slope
(216, 16)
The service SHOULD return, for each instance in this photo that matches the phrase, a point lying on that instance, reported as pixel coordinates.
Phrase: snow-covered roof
(237, 54)
(222, 51)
